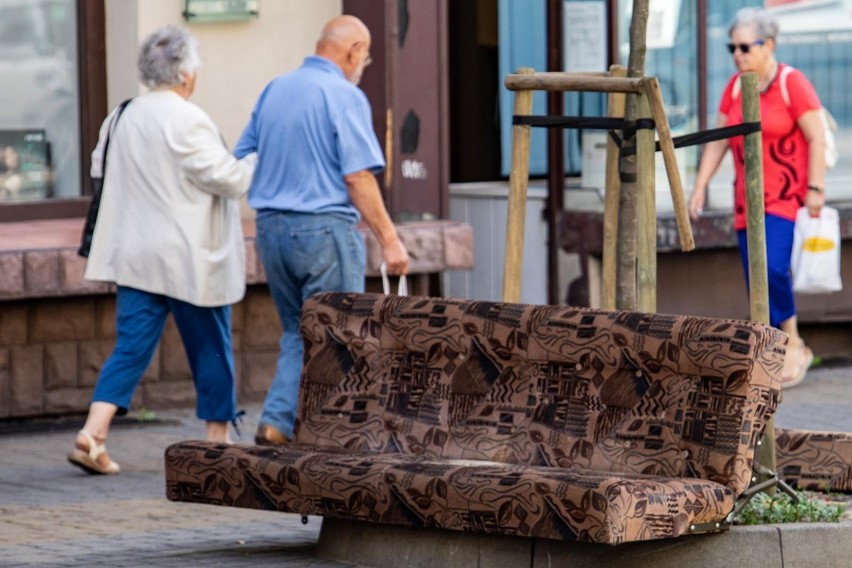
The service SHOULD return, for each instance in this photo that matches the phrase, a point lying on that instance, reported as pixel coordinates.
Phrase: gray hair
(166, 54)
(761, 21)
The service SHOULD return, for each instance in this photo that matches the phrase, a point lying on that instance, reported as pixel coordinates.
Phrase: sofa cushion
(456, 494)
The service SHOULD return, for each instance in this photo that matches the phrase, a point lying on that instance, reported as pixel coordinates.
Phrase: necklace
(766, 83)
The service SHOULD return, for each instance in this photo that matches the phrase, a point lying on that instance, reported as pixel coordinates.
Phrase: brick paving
(51, 514)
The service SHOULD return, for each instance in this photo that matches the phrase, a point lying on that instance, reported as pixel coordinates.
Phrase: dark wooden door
(407, 85)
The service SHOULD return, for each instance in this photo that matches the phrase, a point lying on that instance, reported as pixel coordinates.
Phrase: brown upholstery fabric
(817, 461)
(544, 421)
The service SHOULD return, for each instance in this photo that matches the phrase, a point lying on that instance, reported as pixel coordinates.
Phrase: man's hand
(396, 257)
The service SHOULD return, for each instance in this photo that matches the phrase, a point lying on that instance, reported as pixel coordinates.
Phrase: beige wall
(238, 58)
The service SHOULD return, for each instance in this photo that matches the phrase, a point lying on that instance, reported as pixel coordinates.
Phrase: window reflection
(39, 100)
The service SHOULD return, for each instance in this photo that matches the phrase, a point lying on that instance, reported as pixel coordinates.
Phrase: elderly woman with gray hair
(169, 236)
(793, 165)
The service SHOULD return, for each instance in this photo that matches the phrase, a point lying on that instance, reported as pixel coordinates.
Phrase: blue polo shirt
(310, 128)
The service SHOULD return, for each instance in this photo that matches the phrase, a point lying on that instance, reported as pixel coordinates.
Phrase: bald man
(315, 180)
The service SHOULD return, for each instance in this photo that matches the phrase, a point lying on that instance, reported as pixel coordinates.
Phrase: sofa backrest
(540, 385)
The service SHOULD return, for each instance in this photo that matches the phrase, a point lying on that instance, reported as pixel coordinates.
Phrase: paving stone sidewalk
(52, 514)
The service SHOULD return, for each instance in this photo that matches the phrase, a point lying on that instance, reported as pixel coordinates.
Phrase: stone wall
(51, 352)
(57, 329)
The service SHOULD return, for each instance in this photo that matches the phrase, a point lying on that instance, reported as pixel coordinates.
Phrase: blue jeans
(779, 248)
(302, 254)
(206, 334)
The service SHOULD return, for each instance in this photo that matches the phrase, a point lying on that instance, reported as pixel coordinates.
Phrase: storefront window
(39, 100)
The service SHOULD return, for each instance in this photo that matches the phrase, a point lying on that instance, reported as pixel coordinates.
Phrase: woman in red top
(793, 165)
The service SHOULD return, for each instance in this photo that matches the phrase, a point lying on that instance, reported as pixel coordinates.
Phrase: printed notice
(585, 36)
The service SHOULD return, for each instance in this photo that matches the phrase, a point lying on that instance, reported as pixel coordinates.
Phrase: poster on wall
(585, 37)
(24, 165)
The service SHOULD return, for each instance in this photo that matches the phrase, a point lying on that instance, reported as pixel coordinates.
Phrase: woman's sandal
(93, 460)
(806, 357)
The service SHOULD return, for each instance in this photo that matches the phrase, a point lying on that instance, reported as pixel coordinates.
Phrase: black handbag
(97, 189)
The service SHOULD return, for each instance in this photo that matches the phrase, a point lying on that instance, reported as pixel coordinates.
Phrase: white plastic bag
(816, 252)
(402, 288)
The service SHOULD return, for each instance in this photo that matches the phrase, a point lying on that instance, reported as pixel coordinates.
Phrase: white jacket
(169, 222)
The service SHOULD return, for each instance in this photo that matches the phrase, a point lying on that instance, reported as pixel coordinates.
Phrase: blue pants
(302, 254)
(779, 248)
(206, 334)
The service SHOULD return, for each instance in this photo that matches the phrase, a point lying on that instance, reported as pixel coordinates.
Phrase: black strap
(705, 136)
(112, 124)
(629, 127)
(97, 188)
(581, 122)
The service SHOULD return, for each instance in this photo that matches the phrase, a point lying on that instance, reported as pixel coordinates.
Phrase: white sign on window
(585, 36)
(662, 23)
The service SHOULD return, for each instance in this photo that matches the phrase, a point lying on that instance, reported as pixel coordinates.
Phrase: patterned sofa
(817, 461)
(539, 421)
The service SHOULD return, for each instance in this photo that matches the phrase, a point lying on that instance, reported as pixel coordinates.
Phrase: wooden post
(658, 111)
(756, 232)
(626, 273)
(611, 197)
(646, 212)
(517, 204)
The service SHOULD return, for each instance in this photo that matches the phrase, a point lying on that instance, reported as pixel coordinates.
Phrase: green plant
(146, 415)
(764, 509)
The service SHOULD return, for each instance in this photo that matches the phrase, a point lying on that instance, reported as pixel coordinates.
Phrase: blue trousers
(779, 248)
(302, 254)
(206, 334)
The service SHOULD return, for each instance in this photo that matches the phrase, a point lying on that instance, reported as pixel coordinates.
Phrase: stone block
(173, 361)
(425, 246)
(41, 273)
(105, 317)
(261, 273)
(238, 315)
(374, 253)
(91, 357)
(72, 269)
(152, 371)
(262, 328)
(257, 369)
(11, 275)
(251, 262)
(741, 546)
(168, 394)
(60, 366)
(26, 380)
(66, 319)
(458, 247)
(5, 386)
(67, 401)
(13, 323)
(137, 402)
(392, 546)
(816, 545)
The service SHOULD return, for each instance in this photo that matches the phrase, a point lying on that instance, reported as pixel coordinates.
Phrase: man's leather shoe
(269, 436)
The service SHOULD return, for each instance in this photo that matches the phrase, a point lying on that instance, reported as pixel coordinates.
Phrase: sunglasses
(744, 47)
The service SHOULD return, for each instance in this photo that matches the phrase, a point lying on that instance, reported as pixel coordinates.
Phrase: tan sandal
(93, 460)
(797, 375)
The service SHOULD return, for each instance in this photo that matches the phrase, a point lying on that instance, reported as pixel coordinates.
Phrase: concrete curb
(794, 545)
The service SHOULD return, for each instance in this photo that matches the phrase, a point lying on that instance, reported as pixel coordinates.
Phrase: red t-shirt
(785, 151)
